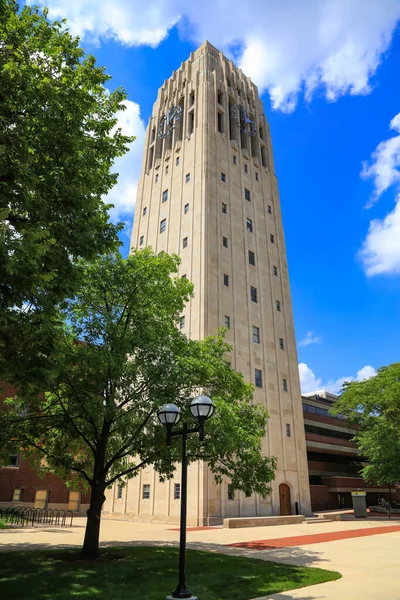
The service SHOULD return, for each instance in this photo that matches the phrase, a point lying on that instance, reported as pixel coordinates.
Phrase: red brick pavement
(317, 538)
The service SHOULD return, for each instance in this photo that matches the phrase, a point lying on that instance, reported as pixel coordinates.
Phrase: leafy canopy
(375, 405)
(58, 142)
(99, 419)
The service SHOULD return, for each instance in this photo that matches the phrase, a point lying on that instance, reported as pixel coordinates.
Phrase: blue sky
(329, 76)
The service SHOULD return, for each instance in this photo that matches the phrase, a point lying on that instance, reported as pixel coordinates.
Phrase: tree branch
(127, 472)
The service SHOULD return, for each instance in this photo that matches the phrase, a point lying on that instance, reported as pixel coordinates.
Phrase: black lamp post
(201, 409)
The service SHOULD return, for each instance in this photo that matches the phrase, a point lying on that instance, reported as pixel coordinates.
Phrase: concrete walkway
(370, 564)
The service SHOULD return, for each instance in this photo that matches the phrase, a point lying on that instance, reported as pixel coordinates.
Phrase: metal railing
(23, 516)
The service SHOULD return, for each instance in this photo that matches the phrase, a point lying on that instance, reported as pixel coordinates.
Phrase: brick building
(21, 485)
(333, 458)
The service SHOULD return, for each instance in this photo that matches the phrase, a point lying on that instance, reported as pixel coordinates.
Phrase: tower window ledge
(167, 155)
(245, 153)
(178, 145)
(256, 162)
(234, 145)
(157, 163)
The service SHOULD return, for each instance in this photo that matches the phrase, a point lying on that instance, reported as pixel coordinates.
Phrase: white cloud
(309, 339)
(385, 166)
(380, 251)
(310, 383)
(286, 47)
(123, 195)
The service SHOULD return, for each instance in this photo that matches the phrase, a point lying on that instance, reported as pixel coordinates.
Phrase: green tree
(58, 142)
(375, 405)
(121, 358)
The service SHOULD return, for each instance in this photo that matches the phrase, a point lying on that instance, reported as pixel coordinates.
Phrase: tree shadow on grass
(147, 570)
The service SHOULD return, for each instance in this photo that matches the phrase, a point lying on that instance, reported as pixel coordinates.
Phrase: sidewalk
(367, 553)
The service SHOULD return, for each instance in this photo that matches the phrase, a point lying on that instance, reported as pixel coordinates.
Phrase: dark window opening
(252, 258)
(220, 122)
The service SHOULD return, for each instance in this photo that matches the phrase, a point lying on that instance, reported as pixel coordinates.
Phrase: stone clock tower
(209, 193)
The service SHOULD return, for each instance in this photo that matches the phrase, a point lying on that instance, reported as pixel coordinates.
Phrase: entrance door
(284, 499)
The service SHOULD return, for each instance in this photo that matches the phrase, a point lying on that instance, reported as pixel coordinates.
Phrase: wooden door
(284, 499)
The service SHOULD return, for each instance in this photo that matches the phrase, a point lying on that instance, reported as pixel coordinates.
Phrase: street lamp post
(201, 408)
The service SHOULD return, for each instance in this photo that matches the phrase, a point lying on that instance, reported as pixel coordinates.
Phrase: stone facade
(208, 192)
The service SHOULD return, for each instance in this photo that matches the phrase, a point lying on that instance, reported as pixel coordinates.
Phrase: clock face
(241, 117)
(169, 121)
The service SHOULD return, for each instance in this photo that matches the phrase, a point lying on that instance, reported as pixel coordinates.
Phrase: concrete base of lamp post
(173, 598)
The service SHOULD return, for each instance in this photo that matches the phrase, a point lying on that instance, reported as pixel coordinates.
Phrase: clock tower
(209, 193)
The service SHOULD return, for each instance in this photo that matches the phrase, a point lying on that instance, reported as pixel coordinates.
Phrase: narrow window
(186, 209)
(263, 157)
(177, 491)
(187, 177)
(226, 279)
(146, 491)
(163, 225)
(227, 322)
(281, 344)
(224, 208)
(284, 385)
(278, 306)
(225, 242)
(246, 170)
(256, 176)
(141, 240)
(181, 322)
(153, 135)
(144, 210)
(220, 122)
(288, 432)
(17, 495)
(231, 492)
(258, 378)
(272, 238)
(184, 242)
(177, 161)
(247, 195)
(249, 225)
(151, 155)
(253, 294)
(156, 177)
(191, 99)
(166, 170)
(269, 209)
(119, 492)
(219, 97)
(191, 122)
(165, 195)
(252, 258)
(256, 334)
(275, 270)
(223, 177)
(261, 132)
(234, 159)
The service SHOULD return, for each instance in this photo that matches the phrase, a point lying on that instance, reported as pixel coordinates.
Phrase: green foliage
(375, 405)
(148, 572)
(58, 143)
(99, 418)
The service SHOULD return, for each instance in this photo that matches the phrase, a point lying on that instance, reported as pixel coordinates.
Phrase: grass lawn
(145, 572)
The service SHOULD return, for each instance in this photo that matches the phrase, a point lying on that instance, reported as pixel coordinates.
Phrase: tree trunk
(90, 549)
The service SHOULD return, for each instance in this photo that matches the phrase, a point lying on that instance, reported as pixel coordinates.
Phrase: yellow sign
(358, 493)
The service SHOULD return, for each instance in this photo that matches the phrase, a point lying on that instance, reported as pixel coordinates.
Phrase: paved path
(370, 564)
